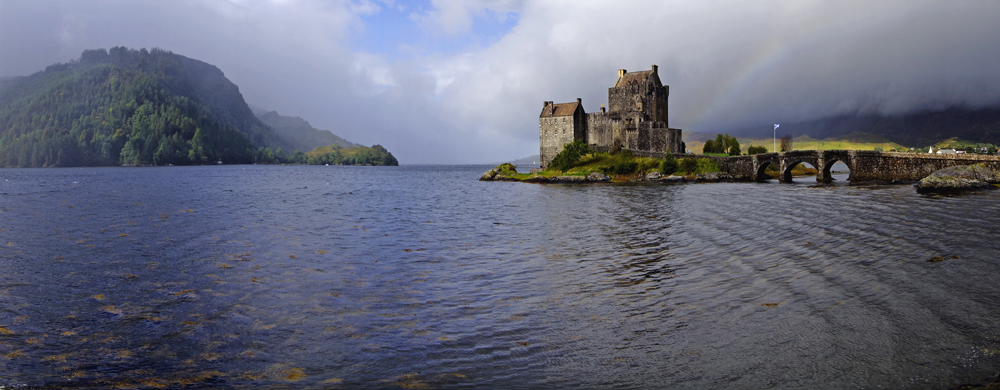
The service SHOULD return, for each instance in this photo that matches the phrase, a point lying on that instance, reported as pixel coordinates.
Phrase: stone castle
(636, 119)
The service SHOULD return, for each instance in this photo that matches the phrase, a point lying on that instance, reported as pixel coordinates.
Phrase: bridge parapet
(888, 166)
(865, 165)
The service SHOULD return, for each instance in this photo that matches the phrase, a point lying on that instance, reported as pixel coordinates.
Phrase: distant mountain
(298, 133)
(532, 160)
(694, 136)
(917, 129)
(128, 107)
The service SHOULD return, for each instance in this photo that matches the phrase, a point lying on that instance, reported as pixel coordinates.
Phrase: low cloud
(729, 64)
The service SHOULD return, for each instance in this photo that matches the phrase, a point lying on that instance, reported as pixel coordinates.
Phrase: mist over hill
(128, 107)
(915, 129)
(298, 133)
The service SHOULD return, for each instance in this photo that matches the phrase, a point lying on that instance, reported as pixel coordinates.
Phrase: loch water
(421, 276)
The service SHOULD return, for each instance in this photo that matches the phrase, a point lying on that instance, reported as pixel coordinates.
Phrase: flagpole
(774, 138)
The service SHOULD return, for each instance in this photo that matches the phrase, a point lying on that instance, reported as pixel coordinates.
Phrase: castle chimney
(579, 101)
(621, 72)
(654, 69)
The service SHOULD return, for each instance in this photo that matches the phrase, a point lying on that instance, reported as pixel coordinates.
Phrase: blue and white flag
(776, 126)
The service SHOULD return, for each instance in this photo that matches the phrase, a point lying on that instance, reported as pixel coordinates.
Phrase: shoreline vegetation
(331, 155)
(577, 163)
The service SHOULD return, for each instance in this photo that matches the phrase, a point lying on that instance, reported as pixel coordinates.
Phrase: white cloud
(729, 63)
(456, 17)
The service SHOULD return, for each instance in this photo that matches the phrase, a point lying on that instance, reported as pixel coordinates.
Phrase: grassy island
(578, 160)
(578, 163)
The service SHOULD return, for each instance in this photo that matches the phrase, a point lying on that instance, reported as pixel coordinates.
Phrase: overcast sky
(463, 81)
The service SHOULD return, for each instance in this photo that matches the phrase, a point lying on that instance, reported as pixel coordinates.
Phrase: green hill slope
(918, 129)
(127, 107)
(298, 133)
(852, 141)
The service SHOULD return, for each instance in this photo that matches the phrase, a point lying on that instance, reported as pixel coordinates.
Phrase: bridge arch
(786, 173)
(789, 160)
(760, 163)
(825, 172)
(828, 158)
(759, 174)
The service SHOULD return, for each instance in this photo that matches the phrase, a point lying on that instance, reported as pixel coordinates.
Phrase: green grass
(853, 141)
(603, 162)
(600, 162)
(955, 143)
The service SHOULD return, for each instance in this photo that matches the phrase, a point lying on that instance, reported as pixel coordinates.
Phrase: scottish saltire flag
(776, 126)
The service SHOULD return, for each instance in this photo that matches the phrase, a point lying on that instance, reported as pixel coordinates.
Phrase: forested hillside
(299, 134)
(358, 155)
(128, 107)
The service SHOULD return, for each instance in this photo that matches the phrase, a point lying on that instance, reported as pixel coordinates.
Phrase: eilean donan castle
(636, 119)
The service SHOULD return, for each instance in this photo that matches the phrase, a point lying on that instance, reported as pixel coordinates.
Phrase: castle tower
(640, 93)
(558, 125)
(635, 119)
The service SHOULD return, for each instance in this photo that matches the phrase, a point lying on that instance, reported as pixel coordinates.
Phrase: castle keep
(636, 119)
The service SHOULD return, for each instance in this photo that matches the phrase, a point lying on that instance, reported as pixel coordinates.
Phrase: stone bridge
(864, 165)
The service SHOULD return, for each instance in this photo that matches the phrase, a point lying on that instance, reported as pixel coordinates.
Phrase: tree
(688, 165)
(756, 150)
(668, 165)
(732, 146)
(786, 143)
(709, 147)
(570, 155)
(724, 144)
(197, 152)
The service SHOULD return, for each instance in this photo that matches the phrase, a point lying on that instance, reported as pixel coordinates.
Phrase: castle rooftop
(560, 109)
(639, 77)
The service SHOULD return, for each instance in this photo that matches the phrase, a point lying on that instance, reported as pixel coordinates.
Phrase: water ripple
(313, 277)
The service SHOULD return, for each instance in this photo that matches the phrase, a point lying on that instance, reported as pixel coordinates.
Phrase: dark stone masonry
(864, 165)
(636, 119)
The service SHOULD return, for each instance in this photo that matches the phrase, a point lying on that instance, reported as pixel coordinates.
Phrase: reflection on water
(318, 277)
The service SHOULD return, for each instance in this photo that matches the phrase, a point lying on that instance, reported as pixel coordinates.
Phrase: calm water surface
(420, 276)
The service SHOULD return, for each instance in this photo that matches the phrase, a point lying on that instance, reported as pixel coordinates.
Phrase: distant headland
(126, 107)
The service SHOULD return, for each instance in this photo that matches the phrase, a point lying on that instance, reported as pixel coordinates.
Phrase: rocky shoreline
(959, 179)
(508, 172)
(951, 180)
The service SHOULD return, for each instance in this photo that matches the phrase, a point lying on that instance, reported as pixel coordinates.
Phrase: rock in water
(718, 176)
(505, 171)
(597, 176)
(959, 179)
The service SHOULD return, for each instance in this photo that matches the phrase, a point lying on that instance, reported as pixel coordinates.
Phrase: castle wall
(553, 134)
(556, 132)
(637, 118)
(649, 100)
(602, 128)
